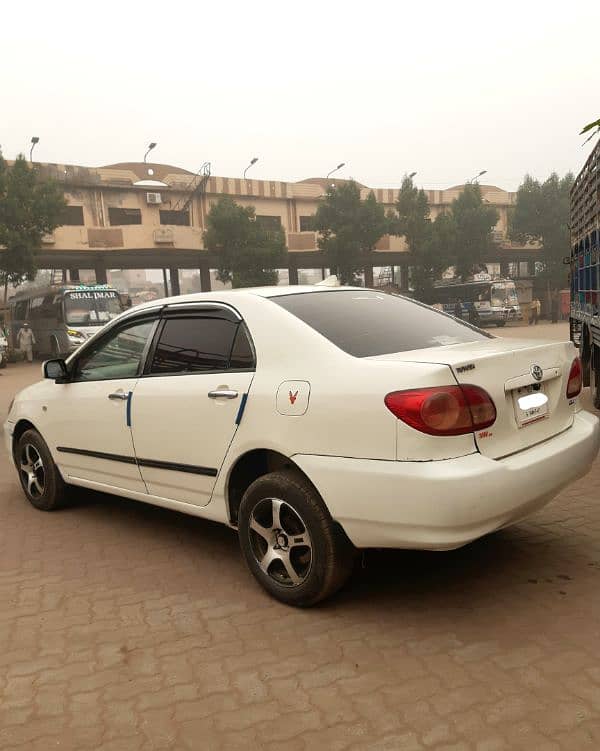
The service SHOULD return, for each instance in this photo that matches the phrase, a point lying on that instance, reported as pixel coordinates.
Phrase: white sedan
(315, 421)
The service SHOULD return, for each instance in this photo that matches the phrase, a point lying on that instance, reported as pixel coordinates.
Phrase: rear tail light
(575, 381)
(443, 410)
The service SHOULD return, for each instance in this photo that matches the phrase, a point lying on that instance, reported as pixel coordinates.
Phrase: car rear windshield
(367, 323)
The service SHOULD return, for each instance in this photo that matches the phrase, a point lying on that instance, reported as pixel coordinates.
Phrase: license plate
(531, 405)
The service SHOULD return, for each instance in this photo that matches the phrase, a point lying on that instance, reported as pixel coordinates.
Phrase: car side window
(242, 354)
(118, 356)
(199, 344)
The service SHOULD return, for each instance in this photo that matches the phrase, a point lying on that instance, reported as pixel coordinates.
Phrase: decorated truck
(584, 260)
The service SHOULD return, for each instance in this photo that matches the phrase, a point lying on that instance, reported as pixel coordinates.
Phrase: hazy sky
(445, 89)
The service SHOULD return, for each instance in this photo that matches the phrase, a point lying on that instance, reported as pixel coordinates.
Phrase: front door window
(119, 356)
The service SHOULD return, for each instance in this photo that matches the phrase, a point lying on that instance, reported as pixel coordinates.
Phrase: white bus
(63, 317)
(483, 300)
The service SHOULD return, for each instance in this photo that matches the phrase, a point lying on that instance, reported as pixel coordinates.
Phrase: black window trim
(115, 330)
(187, 308)
(197, 310)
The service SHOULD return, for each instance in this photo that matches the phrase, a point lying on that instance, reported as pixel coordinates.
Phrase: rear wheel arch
(248, 468)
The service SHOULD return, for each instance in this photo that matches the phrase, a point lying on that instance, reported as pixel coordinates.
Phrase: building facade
(153, 216)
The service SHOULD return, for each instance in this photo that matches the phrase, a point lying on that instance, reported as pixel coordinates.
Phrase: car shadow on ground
(517, 561)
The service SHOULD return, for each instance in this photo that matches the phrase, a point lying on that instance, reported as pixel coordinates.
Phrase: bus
(483, 300)
(63, 317)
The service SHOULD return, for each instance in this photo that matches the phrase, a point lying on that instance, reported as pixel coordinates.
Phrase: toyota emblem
(537, 372)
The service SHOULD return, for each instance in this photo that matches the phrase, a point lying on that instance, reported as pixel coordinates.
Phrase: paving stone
(125, 628)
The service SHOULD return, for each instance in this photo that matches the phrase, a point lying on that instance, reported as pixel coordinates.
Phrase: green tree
(248, 255)
(594, 127)
(429, 243)
(473, 222)
(29, 208)
(541, 215)
(349, 227)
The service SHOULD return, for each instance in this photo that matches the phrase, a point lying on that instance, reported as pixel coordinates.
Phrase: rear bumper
(441, 505)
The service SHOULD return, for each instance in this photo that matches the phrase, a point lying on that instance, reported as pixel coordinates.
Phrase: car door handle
(119, 395)
(222, 394)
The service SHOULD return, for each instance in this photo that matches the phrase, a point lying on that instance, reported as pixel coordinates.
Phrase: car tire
(3, 359)
(40, 478)
(594, 377)
(500, 324)
(290, 543)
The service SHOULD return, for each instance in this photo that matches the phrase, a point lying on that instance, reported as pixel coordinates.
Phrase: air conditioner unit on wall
(153, 198)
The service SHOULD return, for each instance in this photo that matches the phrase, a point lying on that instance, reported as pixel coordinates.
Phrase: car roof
(233, 295)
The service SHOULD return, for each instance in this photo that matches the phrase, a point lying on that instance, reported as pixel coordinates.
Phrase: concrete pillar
(369, 276)
(74, 275)
(403, 281)
(101, 277)
(174, 275)
(205, 284)
(293, 273)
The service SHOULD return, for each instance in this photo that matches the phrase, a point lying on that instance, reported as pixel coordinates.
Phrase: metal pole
(252, 161)
(342, 164)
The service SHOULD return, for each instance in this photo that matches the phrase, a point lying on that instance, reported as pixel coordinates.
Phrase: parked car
(315, 421)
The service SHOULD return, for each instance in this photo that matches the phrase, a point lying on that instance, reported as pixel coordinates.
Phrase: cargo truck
(584, 261)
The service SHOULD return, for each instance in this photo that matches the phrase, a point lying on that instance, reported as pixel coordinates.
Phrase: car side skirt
(212, 511)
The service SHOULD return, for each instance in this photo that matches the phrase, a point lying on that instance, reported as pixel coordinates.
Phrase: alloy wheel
(280, 542)
(32, 471)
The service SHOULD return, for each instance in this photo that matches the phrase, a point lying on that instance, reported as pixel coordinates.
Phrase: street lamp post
(150, 147)
(252, 161)
(335, 169)
(474, 179)
(34, 140)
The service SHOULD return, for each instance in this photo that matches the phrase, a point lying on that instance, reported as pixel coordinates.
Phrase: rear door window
(201, 344)
(365, 323)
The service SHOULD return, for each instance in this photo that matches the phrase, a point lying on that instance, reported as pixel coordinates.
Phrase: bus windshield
(91, 308)
(504, 294)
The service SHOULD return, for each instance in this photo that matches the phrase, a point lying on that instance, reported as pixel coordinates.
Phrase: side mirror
(56, 370)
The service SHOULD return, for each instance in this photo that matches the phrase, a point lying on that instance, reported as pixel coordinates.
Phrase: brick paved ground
(127, 627)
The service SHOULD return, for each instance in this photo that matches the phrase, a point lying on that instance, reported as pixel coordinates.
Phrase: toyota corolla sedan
(315, 421)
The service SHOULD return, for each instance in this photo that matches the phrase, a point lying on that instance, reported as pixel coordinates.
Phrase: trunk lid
(505, 369)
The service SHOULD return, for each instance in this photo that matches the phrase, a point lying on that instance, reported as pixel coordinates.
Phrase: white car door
(187, 405)
(90, 425)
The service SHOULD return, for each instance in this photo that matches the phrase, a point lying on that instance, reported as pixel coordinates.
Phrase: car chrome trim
(150, 463)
